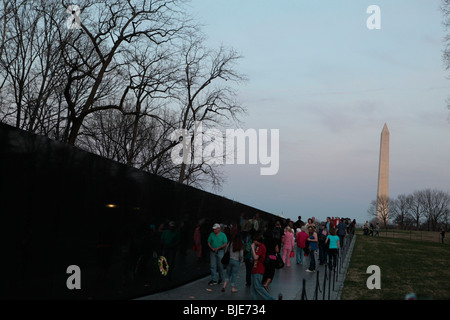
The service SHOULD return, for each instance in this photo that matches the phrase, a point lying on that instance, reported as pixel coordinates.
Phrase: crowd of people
(261, 244)
(369, 228)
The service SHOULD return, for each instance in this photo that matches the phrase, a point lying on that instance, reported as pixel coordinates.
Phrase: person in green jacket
(217, 242)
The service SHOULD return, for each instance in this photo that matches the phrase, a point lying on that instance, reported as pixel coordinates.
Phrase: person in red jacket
(259, 255)
(301, 242)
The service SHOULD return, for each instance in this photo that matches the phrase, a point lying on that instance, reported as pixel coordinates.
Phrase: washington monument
(383, 177)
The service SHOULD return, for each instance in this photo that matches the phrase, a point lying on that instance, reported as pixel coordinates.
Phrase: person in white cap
(217, 242)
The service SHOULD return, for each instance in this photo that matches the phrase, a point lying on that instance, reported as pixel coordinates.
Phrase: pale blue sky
(329, 84)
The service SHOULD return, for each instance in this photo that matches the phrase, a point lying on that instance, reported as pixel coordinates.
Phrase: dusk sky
(329, 84)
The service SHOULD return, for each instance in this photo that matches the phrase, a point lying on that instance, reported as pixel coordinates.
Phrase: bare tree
(417, 208)
(206, 97)
(7, 7)
(31, 68)
(156, 155)
(150, 76)
(445, 221)
(400, 210)
(445, 8)
(435, 204)
(116, 78)
(380, 209)
(109, 31)
(144, 144)
(18, 56)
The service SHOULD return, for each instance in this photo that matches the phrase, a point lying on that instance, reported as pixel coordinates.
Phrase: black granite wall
(54, 213)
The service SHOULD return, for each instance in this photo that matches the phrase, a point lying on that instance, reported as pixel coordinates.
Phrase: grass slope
(406, 266)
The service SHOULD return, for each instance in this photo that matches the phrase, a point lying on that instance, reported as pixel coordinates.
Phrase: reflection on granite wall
(61, 206)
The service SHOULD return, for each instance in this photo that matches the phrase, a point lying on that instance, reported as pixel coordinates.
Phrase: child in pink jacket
(288, 245)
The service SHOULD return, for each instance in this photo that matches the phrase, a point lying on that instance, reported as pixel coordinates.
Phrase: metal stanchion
(316, 290)
(334, 277)
(336, 269)
(325, 276)
(304, 297)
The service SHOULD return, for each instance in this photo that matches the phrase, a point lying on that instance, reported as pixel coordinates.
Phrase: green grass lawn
(422, 267)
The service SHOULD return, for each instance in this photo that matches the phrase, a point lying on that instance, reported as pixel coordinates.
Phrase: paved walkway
(287, 281)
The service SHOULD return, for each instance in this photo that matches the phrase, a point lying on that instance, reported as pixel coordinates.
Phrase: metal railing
(331, 276)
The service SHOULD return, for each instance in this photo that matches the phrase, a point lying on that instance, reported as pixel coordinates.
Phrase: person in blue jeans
(217, 242)
(301, 242)
(236, 249)
(259, 255)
